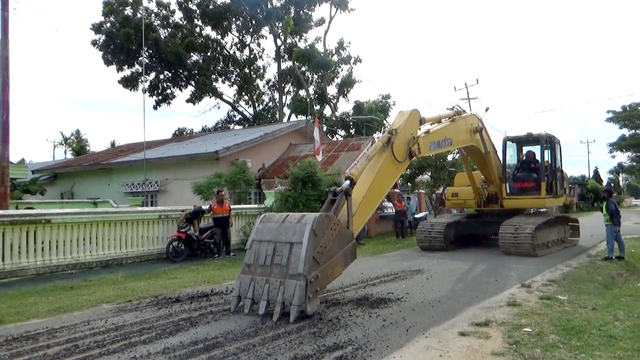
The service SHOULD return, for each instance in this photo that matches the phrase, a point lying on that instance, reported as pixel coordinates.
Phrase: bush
(239, 182)
(307, 188)
(594, 193)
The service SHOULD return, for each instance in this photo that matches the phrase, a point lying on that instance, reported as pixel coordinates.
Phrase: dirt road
(379, 305)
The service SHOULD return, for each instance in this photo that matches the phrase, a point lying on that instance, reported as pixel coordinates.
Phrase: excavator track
(538, 234)
(438, 233)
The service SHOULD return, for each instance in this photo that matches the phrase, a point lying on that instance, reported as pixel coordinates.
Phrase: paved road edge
(443, 339)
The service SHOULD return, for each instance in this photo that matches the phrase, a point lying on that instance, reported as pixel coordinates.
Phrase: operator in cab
(529, 164)
(222, 223)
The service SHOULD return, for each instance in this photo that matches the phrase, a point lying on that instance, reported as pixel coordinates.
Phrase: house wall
(177, 175)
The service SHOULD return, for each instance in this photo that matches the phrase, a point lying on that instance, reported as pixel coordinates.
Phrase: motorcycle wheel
(176, 250)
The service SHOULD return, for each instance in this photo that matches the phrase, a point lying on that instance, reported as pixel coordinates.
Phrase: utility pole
(468, 99)
(55, 145)
(5, 127)
(588, 156)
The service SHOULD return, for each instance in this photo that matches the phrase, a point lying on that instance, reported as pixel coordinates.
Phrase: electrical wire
(589, 103)
(50, 14)
(33, 21)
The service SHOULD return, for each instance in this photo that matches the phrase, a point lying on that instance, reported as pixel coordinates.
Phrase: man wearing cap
(612, 223)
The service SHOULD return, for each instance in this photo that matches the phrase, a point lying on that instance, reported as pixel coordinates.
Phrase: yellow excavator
(291, 258)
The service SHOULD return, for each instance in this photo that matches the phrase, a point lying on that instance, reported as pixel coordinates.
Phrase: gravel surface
(377, 306)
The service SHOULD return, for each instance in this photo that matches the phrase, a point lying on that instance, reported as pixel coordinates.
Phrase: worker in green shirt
(612, 223)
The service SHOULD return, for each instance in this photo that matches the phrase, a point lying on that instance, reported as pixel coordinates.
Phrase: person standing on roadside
(222, 223)
(612, 223)
(400, 217)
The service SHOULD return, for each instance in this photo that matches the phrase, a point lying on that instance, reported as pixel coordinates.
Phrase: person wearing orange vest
(400, 217)
(222, 223)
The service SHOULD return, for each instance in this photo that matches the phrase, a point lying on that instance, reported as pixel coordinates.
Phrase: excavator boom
(292, 257)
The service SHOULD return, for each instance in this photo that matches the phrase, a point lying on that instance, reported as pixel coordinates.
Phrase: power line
(35, 22)
(594, 160)
(50, 14)
(589, 103)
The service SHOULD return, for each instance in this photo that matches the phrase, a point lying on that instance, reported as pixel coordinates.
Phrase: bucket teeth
(295, 311)
(283, 252)
(248, 301)
(279, 305)
(235, 301)
(264, 302)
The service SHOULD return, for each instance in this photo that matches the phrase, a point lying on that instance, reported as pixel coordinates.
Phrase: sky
(552, 66)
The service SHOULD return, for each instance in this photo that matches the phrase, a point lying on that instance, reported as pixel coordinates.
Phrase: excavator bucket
(290, 260)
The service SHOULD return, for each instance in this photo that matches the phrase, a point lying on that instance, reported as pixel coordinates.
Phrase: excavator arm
(292, 257)
(410, 136)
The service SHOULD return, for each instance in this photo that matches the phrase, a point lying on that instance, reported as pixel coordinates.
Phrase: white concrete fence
(45, 241)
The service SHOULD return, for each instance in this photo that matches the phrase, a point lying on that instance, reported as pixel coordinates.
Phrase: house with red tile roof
(338, 155)
(172, 165)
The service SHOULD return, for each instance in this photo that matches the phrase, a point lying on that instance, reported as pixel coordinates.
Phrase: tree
(113, 143)
(594, 193)
(439, 168)
(239, 182)
(614, 183)
(306, 189)
(628, 120)
(344, 126)
(632, 189)
(596, 176)
(206, 189)
(65, 142)
(79, 144)
(218, 50)
(325, 75)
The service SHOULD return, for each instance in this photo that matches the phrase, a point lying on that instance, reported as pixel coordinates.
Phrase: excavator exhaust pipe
(290, 260)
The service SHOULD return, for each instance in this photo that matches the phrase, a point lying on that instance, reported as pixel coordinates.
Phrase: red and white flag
(316, 139)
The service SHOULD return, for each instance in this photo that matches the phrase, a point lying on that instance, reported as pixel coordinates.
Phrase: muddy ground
(146, 330)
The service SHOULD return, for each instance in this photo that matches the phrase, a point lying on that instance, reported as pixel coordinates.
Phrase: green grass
(581, 214)
(600, 318)
(75, 295)
(384, 244)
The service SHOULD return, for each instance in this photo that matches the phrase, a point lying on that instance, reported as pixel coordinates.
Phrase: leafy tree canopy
(306, 189)
(628, 120)
(76, 143)
(256, 57)
(377, 111)
(439, 168)
(632, 189)
(239, 182)
(596, 176)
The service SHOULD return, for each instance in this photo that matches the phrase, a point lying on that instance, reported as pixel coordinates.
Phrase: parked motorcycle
(190, 237)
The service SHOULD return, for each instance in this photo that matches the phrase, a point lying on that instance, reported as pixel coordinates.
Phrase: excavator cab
(532, 165)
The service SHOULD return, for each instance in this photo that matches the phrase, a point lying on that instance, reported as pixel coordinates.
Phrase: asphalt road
(376, 307)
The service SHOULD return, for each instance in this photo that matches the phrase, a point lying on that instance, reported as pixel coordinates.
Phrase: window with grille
(256, 197)
(150, 200)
